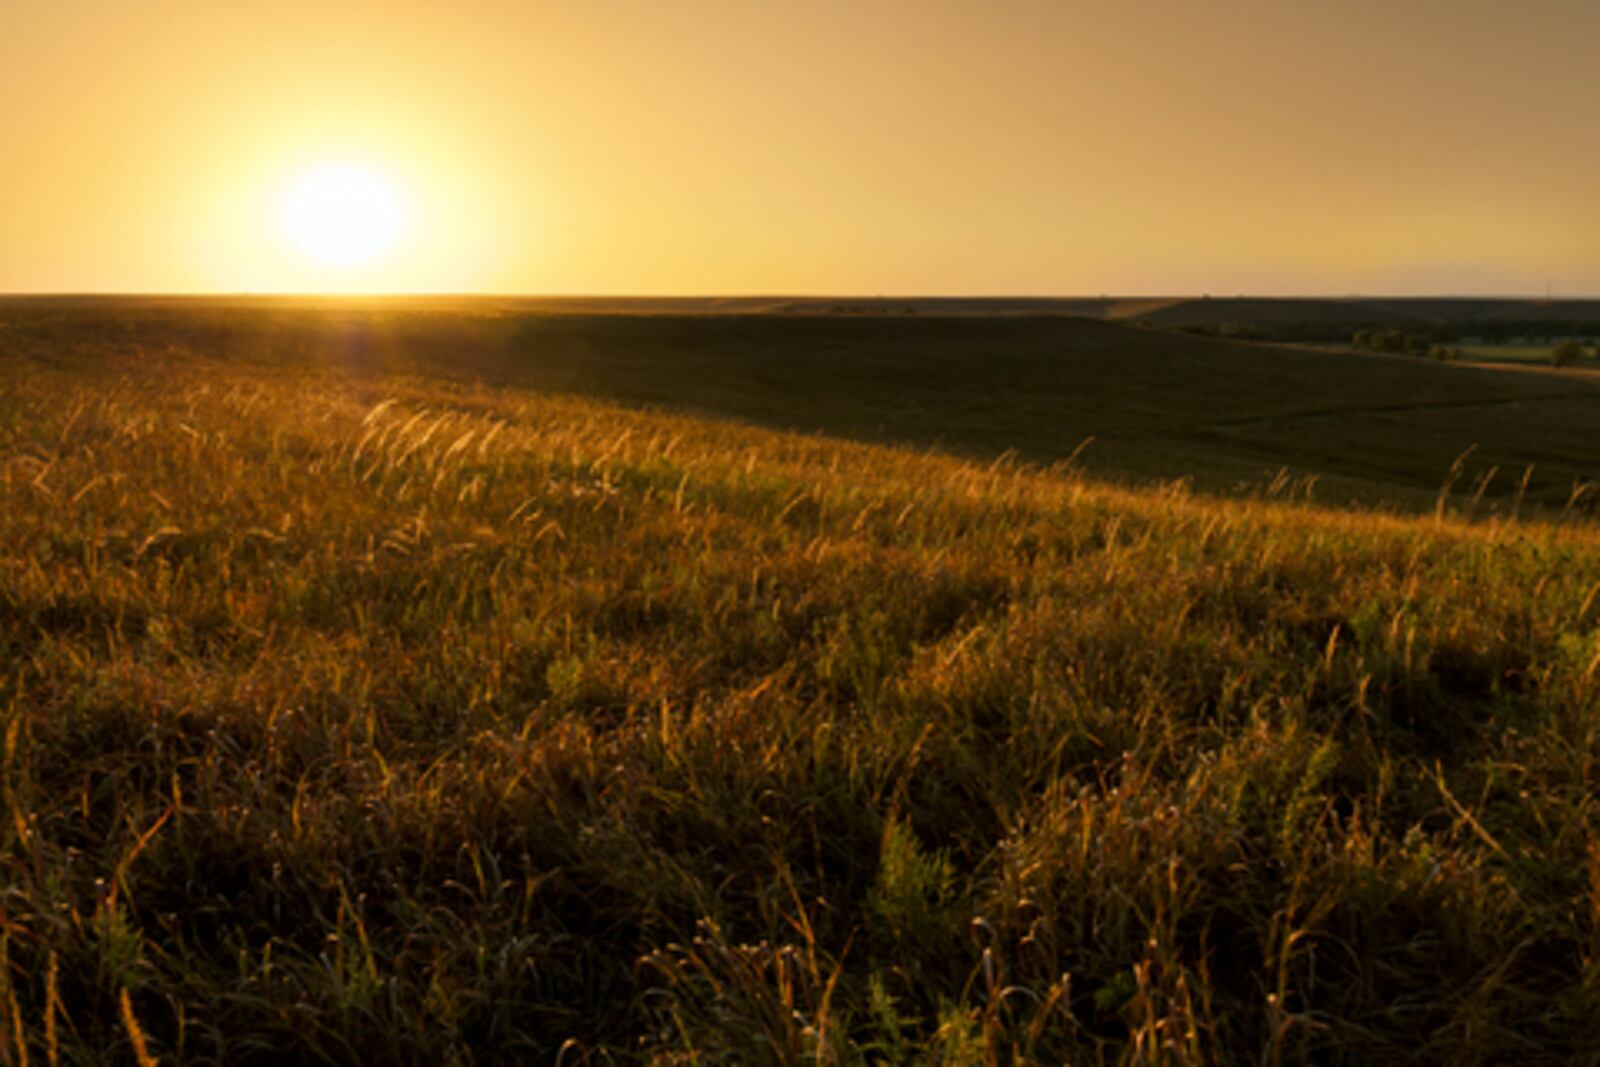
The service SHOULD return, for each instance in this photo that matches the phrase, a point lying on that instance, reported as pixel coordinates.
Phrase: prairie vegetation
(1134, 406)
(356, 713)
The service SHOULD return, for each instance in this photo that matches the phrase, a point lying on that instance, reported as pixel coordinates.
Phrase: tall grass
(356, 717)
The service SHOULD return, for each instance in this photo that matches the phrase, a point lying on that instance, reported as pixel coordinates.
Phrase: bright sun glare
(341, 215)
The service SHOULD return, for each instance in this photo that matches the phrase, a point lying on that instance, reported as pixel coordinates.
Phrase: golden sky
(746, 146)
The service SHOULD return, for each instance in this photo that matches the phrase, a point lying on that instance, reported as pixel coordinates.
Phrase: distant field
(1158, 406)
(429, 685)
(1338, 315)
(1508, 353)
(1535, 354)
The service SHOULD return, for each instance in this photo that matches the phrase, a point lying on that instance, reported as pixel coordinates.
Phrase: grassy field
(1135, 406)
(1528, 354)
(1534, 354)
(1521, 355)
(365, 705)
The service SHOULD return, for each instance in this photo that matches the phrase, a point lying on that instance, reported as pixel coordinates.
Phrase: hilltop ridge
(1131, 404)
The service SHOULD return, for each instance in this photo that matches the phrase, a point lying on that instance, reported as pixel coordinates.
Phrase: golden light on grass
(459, 665)
(342, 215)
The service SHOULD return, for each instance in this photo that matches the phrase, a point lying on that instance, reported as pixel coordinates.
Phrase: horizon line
(190, 294)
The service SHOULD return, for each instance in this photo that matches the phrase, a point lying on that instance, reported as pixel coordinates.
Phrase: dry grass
(383, 719)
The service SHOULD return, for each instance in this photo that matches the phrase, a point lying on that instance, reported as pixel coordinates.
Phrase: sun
(341, 215)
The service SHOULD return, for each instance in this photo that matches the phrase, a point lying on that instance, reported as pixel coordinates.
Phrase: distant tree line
(1396, 341)
(1533, 331)
(1485, 331)
(1401, 342)
(1246, 330)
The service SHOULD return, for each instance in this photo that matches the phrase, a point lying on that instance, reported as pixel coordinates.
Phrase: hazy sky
(744, 146)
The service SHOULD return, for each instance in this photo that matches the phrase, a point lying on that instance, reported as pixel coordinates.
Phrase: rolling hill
(418, 684)
(1132, 405)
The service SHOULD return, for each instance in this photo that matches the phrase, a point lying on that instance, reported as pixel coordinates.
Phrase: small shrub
(1566, 353)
